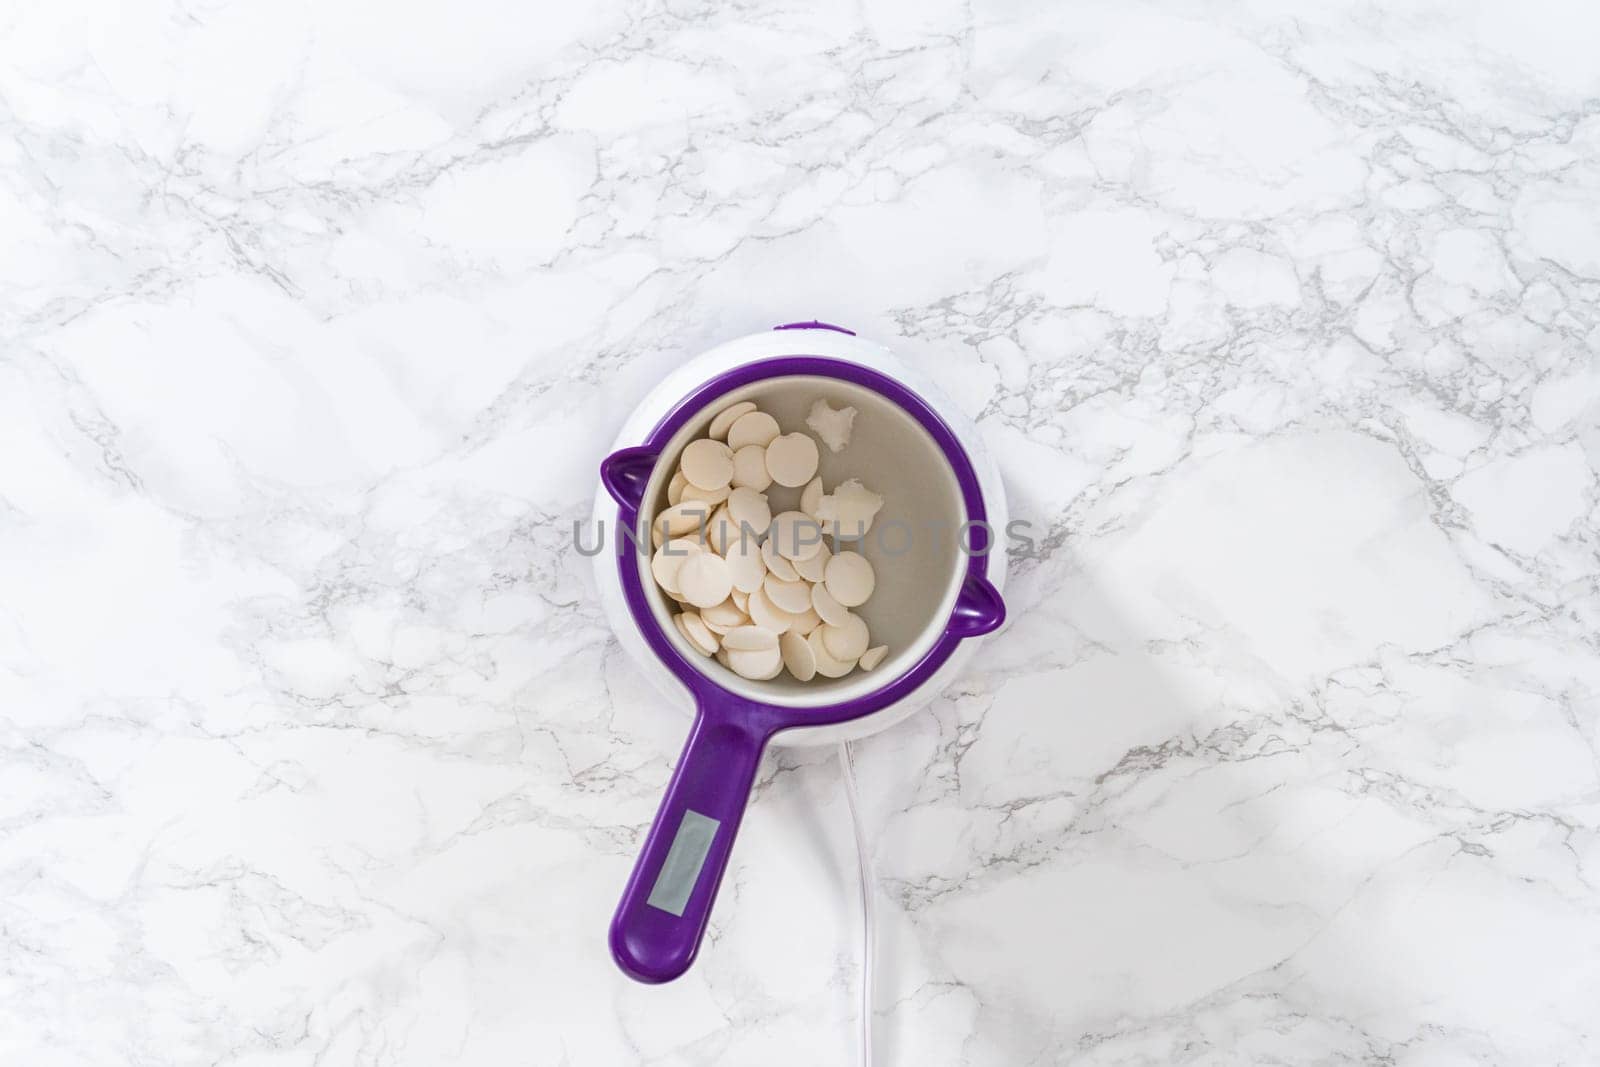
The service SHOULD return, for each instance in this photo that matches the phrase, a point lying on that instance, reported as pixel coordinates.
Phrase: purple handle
(625, 473)
(979, 608)
(662, 916)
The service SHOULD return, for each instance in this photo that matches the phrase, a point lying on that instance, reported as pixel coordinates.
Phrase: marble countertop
(1281, 322)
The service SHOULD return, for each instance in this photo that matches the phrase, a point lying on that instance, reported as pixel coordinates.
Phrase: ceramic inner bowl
(914, 545)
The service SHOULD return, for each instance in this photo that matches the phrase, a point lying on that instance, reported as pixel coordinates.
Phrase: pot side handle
(979, 608)
(625, 473)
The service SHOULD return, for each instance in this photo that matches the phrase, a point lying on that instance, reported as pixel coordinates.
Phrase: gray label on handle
(684, 860)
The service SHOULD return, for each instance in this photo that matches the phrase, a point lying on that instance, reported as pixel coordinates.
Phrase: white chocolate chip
(792, 459)
(766, 614)
(830, 425)
(810, 496)
(745, 565)
(676, 486)
(776, 564)
(850, 579)
(706, 496)
(699, 634)
(758, 665)
(806, 621)
(720, 531)
(748, 508)
(726, 418)
(705, 580)
(822, 601)
(796, 535)
(724, 616)
(750, 468)
(872, 657)
(753, 428)
(847, 641)
(828, 665)
(682, 621)
(815, 569)
(718, 628)
(750, 639)
(797, 656)
(793, 597)
(679, 519)
(668, 558)
(708, 464)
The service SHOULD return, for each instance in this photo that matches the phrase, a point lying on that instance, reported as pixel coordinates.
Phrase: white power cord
(847, 768)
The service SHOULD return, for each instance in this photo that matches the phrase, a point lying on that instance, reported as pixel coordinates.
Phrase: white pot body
(817, 341)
